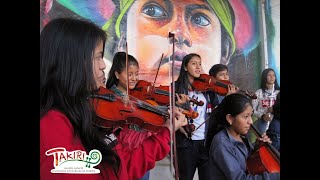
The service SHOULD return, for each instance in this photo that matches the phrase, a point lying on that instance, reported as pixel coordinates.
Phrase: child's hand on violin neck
(264, 138)
(180, 119)
(232, 89)
(182, 99)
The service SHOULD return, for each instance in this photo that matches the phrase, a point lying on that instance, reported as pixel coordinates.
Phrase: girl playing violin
(71, 70)
(132, 136)
(230, 149)
(117, 82)
(191, 152)
(117, 78)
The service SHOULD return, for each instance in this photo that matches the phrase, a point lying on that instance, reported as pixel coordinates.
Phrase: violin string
(143, 104)
(162, 92)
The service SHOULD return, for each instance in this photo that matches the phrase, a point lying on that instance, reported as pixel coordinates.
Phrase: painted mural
(220, 31)
(272, 14)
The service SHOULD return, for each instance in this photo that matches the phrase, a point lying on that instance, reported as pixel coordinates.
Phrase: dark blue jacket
(274, 133)
(227, 159)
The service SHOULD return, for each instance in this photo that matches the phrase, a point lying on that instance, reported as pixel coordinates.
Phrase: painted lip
(178, 57)
(177, 64)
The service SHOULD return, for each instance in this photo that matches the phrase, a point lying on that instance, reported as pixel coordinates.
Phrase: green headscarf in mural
(220, 7)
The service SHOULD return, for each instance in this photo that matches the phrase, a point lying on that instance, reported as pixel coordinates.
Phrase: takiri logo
(74, 162)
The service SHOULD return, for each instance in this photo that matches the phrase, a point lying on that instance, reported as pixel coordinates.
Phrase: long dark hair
(232, 104)
(118, 65)
(264, 76)
(182, 82)
(66, 79)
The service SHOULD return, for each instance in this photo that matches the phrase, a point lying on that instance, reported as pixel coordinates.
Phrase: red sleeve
(142, 159)
(132, 139)
(57, 131)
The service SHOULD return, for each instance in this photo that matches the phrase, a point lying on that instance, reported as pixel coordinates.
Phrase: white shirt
(263, 102)
(199, 133)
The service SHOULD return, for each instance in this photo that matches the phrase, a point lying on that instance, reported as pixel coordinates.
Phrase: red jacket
(132, 139)
(57, 131)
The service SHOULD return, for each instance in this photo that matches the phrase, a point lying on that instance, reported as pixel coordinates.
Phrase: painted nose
(182, 39)
(181, 33)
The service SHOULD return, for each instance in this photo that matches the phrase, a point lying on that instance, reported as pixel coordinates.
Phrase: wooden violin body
(114, 112)
(144, 90)
(207, 83)
(160, 94)
(265, 159)
(262, 160)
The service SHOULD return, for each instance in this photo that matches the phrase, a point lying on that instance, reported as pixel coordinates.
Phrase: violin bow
(174, 157)
(154, 82)
(206, 119)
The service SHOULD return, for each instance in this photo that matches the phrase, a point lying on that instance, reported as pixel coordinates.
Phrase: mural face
(220, 31)
(196, 29)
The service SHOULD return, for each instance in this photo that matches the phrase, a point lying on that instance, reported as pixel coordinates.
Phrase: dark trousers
(146, 176)
(191, 157)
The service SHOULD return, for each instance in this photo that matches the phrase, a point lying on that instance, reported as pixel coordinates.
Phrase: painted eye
(154, 10)
(200, 20)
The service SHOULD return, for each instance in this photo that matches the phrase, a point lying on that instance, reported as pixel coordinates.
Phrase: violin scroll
(196, 102)
(249, 94)
(192, 114)
(189, 129)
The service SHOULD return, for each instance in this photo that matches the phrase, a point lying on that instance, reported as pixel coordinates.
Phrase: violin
(207, 83)
(145, 91)
(113, 112)
(265, 158)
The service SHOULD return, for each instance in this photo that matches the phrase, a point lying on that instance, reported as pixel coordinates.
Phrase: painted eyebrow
(197, 6)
